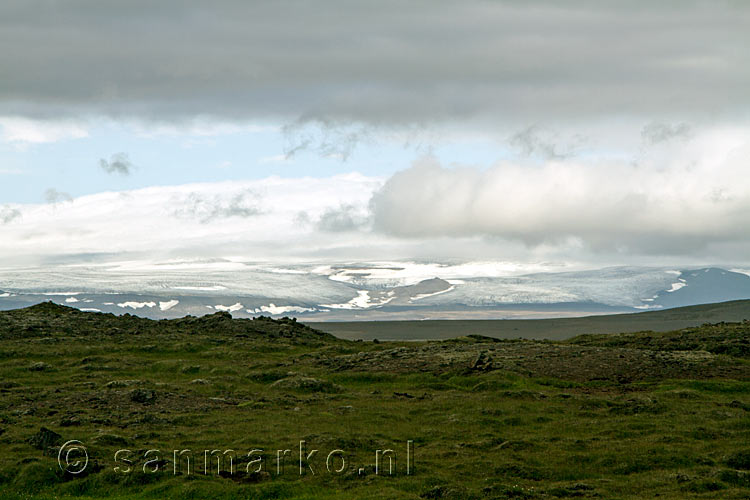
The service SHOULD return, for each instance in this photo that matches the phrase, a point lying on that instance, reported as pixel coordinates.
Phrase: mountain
(701, 286)
(370, 291)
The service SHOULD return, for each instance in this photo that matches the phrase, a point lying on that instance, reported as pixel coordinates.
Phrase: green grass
(512, 431)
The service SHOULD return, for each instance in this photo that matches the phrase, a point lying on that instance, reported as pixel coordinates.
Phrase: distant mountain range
(408, 291)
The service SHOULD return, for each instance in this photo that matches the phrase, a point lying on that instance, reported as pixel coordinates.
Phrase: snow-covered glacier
(365, 290)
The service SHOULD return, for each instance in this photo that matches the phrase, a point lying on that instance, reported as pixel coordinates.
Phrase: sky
(582, 133)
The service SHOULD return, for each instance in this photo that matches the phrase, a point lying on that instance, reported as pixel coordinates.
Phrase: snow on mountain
(344, 291)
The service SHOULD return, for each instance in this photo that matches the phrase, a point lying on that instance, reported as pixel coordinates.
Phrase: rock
(40, 367)
(45, 438)
(69, 421)
(114, 384)
(307, 384)
(200, 381)
(436, 492)
(483, 361)
(144, 396)
(739, 404)
(405, 395)
(739, 460)
(150, 418)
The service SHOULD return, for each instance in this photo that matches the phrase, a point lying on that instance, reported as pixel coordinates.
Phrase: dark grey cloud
(356, 62)
(302, 218)
(657, 132)
(206, 208)
(324, 137)
(118, 164)
(8, 214)
(342, 219)
(54, 196)
(538, 141)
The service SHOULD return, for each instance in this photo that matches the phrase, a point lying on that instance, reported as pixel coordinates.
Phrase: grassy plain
(640, 415)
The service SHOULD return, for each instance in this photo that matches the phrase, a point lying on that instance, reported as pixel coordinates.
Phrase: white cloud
(274, 159)
(162, 221)
(53, 196)
(199, 127)
(681, 199)
(9, 214)
(21, 132)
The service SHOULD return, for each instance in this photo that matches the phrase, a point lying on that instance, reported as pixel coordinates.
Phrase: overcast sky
(594, 132)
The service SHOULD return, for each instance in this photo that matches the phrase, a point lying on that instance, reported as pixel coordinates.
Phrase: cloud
(53, 196)
(199, 126)
(8, 214)
(119, 163)
(21, 131)
(254, 218)
(691, 204)
(302, 219)
(209, 208)
(324, 137)
(342, 219)
(274, 159)
(500, 61)
(609, 206)
(657, 132)
(538, 141)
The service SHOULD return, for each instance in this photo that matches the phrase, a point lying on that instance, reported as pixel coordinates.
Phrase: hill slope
(552, 329)
(613, 416)
(48, 319)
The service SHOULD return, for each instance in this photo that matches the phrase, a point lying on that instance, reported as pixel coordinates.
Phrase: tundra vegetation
(635, 415)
